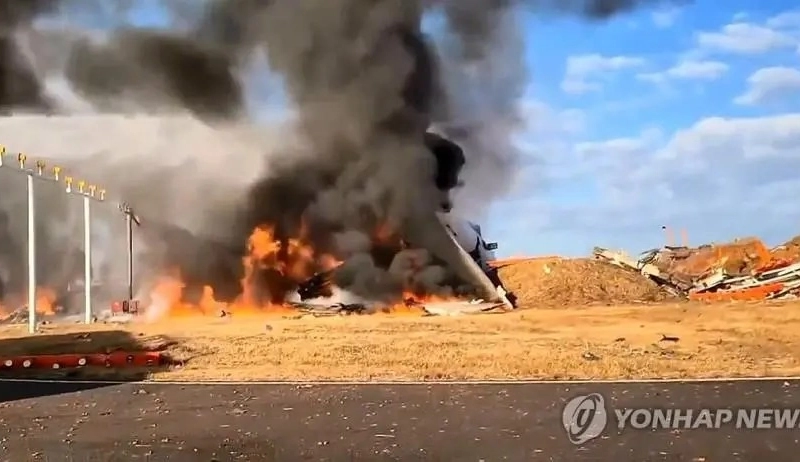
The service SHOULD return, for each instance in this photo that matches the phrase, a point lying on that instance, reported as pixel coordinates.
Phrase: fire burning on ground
(275, 272)
(46, 303)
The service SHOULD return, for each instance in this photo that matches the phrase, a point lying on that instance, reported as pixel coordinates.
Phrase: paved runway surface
(520, 422)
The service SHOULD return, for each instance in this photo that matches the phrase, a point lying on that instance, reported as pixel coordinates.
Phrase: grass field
(760, 339)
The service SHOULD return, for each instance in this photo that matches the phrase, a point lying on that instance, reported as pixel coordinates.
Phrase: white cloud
(703, 70)
(584, 71)
(690, 69)
(548, 132)
(712, 178)
(740, 16)
(770, 84)
(717, 161)
(658, 78)
(787, 19)
(745, 38)
(731, 140)
(616, 147)
(666, 17)
(544, 120)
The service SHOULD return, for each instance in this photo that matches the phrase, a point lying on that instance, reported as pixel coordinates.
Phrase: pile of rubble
(20, 316)
(744, 269)
(553, 282)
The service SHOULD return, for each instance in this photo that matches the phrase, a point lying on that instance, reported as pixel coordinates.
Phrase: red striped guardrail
(115, 359)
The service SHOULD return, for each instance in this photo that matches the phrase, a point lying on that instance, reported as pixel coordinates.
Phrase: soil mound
(554, 282)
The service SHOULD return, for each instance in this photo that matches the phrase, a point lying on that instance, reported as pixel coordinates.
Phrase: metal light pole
(130, 220)
(129, 253)
(31, 255)
(87, 260)
(31, 174)
(88, 193)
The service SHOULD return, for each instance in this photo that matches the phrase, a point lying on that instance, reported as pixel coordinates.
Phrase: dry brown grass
(598, 342)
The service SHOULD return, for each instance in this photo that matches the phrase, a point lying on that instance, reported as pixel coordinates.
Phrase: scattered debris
(336, 309)
(441, 308)
(109, 317)
(742, 270)
(644, 266)
(589, 356)
(18, 316)
(457, 308)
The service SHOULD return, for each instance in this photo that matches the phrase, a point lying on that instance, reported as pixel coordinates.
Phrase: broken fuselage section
(456, 242)
(466, 252)
(469, 237)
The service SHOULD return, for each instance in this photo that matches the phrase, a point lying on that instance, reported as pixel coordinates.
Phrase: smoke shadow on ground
(80, 342)
(17, 390)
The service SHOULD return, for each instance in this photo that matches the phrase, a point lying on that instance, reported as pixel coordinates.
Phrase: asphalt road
(516, 422)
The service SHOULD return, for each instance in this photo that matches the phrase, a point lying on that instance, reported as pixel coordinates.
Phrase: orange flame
(413, 303)
(46, 301)
(45, 304)
(287, 262)
(273, 267)
(383, 234)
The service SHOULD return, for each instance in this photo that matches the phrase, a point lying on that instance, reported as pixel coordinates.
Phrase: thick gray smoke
(19, 86)
(364, 82)
(158, 70)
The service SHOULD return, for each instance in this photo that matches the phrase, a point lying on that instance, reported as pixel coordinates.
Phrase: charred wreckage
(461, 241)
(444, 239)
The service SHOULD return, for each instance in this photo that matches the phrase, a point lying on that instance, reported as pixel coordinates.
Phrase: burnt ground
(516, 422)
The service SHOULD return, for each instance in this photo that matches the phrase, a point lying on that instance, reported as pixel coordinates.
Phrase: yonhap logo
(584, 417)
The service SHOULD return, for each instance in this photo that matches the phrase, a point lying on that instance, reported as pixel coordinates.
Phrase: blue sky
(645, 130)
(686, 117)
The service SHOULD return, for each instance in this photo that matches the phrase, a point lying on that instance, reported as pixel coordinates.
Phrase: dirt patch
(554, 282)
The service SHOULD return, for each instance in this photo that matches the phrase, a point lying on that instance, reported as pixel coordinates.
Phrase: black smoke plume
(365, 84)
